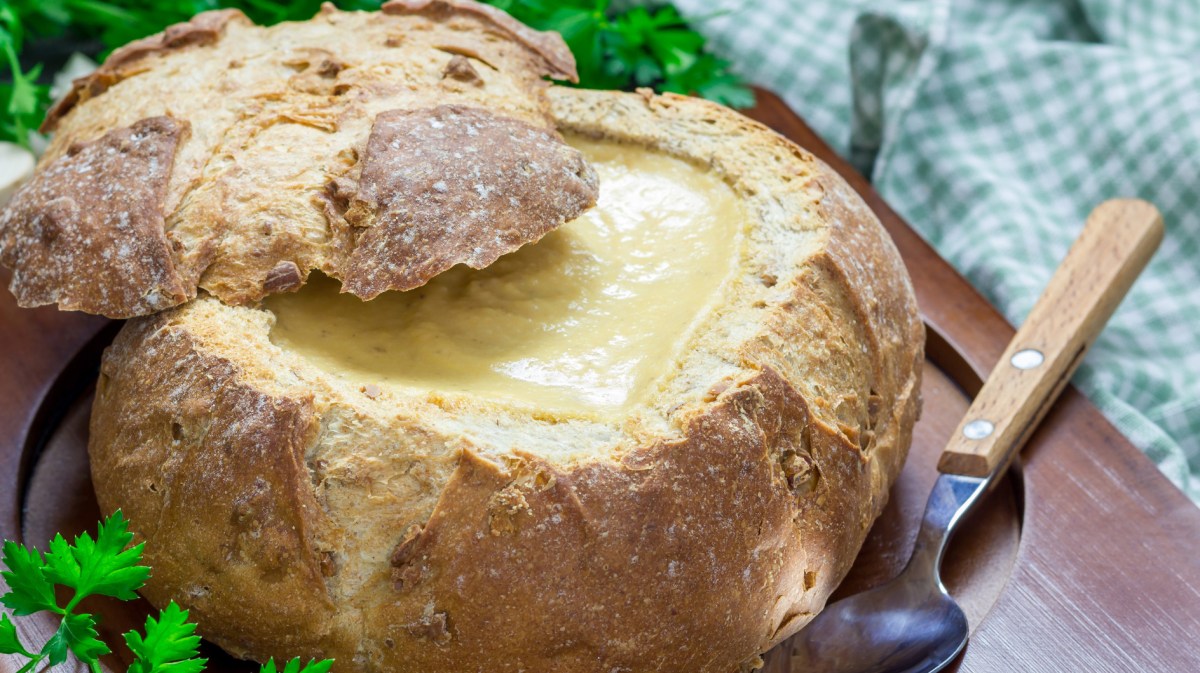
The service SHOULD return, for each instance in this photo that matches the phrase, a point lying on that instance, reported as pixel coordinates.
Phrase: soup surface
(584, 320)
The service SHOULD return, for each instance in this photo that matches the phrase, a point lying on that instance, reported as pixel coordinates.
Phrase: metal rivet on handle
(978, 429)
(1027, 359)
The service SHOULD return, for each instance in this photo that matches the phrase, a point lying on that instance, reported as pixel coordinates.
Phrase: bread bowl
(299, 506)
(660, 450)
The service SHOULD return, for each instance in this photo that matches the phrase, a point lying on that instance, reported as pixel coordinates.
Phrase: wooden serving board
(1084, 559)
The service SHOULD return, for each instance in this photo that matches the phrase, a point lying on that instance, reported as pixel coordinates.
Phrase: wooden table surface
(1104, 576)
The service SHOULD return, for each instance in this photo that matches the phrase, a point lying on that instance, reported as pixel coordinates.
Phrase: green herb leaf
(26, 104)
(28, 590)
(102, 566)
(709, 76)
(170, 646)
(583, 29)
(23, 101)
(293, 666)
(727, 90)
(9, 642)
(77, 634)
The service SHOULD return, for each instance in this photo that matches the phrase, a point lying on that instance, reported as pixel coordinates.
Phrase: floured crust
(65, 250)
(455, 185)
(280, 120)
(452, 533)
(203, 29)
(558, 59)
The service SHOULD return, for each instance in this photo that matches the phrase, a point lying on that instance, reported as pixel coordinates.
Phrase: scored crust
(295, 514)
(279, 125)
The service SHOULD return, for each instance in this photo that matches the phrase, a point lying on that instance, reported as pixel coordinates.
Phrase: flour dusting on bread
(87, 231)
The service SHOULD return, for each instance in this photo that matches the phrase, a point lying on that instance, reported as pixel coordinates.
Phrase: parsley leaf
(708, 76)
(101, 566)
(9, 642)
(90, 566)
(28, 590)
(170, 646)
(77, 634)
(294, 666)
(23, 101)
(27, 102)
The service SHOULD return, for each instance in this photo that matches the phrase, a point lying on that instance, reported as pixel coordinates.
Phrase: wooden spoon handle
(1117, 241)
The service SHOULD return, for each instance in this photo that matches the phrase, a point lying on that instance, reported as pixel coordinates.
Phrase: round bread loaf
(235, 158)
(445, 480)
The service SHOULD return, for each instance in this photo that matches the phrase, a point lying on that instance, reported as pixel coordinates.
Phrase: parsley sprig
(102, 566)
(23, 100)
(637, 47)
(88, 567)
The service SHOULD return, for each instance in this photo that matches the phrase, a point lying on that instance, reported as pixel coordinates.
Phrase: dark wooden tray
(1084, 559)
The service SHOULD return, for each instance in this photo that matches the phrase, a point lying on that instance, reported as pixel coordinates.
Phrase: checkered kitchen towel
(994, 127)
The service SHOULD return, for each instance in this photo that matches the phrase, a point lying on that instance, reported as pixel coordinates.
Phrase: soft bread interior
(584, 321)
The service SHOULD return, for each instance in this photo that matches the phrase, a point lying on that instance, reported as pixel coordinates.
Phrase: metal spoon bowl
(907, 625)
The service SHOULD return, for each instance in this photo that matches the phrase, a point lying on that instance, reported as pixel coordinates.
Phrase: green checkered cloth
(994, 127)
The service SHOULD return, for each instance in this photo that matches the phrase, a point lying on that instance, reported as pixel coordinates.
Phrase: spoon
(911, 625)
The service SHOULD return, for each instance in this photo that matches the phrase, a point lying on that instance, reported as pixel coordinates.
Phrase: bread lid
(379, 148)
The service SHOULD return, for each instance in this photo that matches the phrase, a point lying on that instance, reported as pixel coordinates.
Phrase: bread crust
(280, 118)
(559, 62)
(203, 29)
(221, 466)
(417, 197)
(717, 524)
(64, 250)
